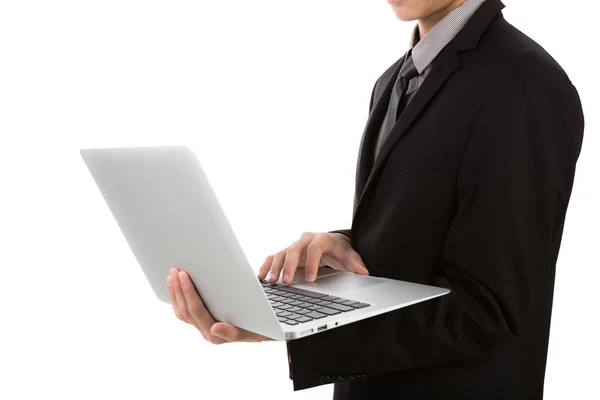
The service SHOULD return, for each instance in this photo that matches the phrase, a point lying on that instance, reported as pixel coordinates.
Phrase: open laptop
(170, 216)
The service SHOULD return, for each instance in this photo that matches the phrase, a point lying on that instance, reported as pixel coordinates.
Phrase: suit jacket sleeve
(513, 188)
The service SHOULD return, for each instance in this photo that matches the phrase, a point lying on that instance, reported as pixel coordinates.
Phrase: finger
(179, 297)
(196, 309)
(172, 297)
(358, 266)
(293, 255)
(314, 251)
(264, 269)
(176, 308)
(276, 266)
(232, 333)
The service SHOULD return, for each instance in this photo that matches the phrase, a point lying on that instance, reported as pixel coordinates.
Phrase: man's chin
(404, 15)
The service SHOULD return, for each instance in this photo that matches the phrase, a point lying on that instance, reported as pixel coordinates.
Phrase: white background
(273, 97)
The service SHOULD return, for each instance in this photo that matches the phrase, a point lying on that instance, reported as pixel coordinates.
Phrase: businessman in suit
(464, 175)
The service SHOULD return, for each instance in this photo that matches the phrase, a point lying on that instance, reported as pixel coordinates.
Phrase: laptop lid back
(170, 216)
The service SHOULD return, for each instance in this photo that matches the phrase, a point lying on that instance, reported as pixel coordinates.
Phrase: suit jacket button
(336, 378)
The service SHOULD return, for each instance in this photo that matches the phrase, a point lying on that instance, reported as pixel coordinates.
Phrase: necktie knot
(408, 70)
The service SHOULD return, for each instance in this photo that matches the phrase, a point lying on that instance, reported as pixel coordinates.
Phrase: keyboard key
(340, 300)
(295, 309)
(287, 301)
(323, 303)
(350, 302)
(284, 307)
(304, 292)
(360, 305)
(275, 304)
(283, 313)
(287, 295)
(290, 322)
(296, 297)
(282, 319)
(315, 307)
(294, 316)
(302, 311)
(330, 298)
(315, 315)
(329, 311)
(340, 307)
(304, 319)
(313, 301)
(297, 303)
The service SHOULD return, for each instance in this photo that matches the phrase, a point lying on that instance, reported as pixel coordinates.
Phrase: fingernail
(310, 277)
(220, 331)
(170, 279)
(182, 276)
(286, 277)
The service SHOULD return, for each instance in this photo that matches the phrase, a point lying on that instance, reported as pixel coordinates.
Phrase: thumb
(232, 333)
(225, 331)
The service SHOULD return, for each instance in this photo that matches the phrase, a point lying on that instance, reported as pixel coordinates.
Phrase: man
(464, 175)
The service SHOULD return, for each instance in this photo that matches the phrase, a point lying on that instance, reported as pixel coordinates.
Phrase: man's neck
(427, 23)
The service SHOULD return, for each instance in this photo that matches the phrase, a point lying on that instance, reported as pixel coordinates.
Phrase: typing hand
(189, 308)
(310, 251)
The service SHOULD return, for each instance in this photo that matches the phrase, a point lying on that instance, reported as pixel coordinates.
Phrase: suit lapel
(445, 65)
(365, 156)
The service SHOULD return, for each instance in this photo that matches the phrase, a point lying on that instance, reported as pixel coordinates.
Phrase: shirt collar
(425, 50)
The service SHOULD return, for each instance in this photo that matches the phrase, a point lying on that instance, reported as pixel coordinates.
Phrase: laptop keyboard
(294, 306)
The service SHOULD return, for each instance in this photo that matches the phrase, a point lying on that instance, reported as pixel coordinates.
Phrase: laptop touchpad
(340, 282)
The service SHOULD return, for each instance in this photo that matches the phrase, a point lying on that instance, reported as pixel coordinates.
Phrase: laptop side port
(321, 328)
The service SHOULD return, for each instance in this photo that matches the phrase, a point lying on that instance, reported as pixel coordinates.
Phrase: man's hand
(188, 307)
(311, 251)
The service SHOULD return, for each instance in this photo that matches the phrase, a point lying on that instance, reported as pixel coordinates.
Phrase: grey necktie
(407, 72)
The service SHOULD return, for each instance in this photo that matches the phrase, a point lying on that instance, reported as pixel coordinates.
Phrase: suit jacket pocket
(429, 159)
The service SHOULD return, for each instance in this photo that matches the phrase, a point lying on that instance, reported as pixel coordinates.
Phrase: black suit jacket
(469, 193)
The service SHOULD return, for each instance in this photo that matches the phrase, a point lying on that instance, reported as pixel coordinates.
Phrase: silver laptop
(170, 216)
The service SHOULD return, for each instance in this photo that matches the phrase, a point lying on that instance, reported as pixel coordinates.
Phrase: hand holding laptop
(309, 251)
(189, 308)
